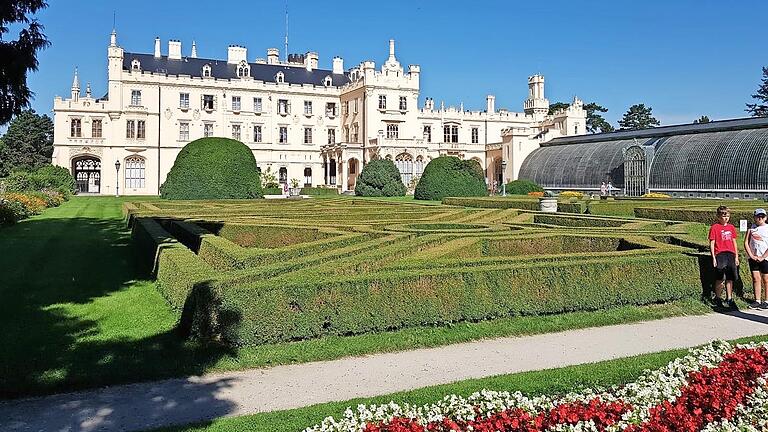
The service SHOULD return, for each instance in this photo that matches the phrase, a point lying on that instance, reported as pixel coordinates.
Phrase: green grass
(551, 382)
(76, 312)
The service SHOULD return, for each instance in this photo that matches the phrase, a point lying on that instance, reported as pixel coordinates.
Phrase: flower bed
(716, 388)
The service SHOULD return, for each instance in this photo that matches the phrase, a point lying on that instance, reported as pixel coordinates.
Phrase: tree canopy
(27, 144)
(380, 177)
(557, 106)
(596, 122)
(760, 109)
(19, 56)
(638, 116)
(449, 176)
(702, 119)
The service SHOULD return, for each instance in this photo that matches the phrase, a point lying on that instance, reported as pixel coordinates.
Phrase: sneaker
(764, 306)
(731, 304)
(756, 305)
(718, 302)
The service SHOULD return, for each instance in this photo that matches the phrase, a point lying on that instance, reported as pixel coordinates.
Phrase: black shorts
(761, 266)
(726, 266)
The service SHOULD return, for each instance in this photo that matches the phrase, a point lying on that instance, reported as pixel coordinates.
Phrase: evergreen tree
(28, 143)
(17, 57)
(702, 119)
(596, 122)
(557, 106)
(760, 109)
(638, 116)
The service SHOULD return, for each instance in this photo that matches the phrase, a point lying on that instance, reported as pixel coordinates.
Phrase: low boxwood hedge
(706, 216)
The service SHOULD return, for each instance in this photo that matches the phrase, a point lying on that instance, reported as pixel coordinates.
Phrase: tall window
(404, 163)
(307, 107)
(331, 136)
(282, 175)
(236, 132)
(451, 133)
(330, 109)
(475, 135)
(96, 128)
(382, 102)
(308, 135)
(135, 97)
(355, 134)
(345, 108)
(354, 106)
(257, 133)
(418, 166)
(208, 102)
(307, 177)
(428, 133)
(207, 130)
(184, 100)
(257, 104)
(130, 129)
(134, 172)
(141, 129)
(283, 135)
(392, 130)
(75, 128)
(184, 131)
(282, 106)
(403, 103)
(235, 103)
(346, 134)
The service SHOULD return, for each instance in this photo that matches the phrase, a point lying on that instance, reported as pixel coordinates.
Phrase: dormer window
(280, 77)
(243, 70)
(207, 71)
(328, 81)
(135, 65)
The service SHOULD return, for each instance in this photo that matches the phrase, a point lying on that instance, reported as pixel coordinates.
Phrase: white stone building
(319, 126)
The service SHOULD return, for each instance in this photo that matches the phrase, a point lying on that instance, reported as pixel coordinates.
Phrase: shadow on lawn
(50, 265)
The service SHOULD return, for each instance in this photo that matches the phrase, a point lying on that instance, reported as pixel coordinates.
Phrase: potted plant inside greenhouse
(548, 202)
(294, 190)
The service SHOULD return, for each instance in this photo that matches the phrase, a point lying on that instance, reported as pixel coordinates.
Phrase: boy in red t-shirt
(725, 256)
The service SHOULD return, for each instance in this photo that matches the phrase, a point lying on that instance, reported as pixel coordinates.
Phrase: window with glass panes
(207, 129)
(134, 172)
(428, 133)
(330, 109)
(184, 131)
(308, 135)
(282, 106)
(403, 103)
(382, 102)
(208, 102)
(135, 97)
(130, 129)
(236, 132)
(235, 103)
(184, 100)
(283, 135)
(331, 136)
(307, 107)
(96, 128)
(141, 129)
(75, 128)
(475, 135)
(392, 130)
(257, 133)
(451, 133)
(257, 104)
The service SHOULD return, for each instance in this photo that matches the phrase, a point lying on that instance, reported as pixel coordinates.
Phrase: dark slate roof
(715, 126)
(222, 70)
(726, 155)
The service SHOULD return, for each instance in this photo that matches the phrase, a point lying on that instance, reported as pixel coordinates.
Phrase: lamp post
(503, 183)
(117, 178)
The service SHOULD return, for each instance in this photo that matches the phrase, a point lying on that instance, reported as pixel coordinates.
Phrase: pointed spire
(194, 50)
(113, 38)
(88, 90)
(75, 93)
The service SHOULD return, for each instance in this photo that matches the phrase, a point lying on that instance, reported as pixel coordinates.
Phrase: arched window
(418, 166)
(280, 77)
(134, 172)
(328, 81)
(404, 163)
(207, 71)
(282, 175)
(135, 65)
(307, 177)
(243, 70)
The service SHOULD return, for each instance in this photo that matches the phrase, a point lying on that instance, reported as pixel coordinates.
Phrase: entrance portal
(87, 172)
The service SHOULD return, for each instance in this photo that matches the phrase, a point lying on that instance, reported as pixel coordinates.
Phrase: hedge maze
(255, 272)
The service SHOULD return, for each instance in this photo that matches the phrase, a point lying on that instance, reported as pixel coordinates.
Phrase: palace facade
(319, 126)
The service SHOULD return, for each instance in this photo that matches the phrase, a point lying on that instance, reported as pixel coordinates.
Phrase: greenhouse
(727, 159)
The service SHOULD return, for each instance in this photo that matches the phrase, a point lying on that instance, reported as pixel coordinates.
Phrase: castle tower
(536, 104)
(114, 69)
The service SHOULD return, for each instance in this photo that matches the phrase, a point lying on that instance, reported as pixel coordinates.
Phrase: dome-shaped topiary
(522, 187)
(213, 168)
(449, 176)
(380, 177)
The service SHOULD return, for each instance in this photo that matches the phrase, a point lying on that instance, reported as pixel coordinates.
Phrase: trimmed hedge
(302, 309)
(449, 176)
(319, 191)
(499, 203)
(213, 168)
(576, 221)
(522, 187)
(706, 216)
(380, 177)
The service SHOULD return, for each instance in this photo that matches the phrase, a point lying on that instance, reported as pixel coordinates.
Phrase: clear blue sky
(683, 58)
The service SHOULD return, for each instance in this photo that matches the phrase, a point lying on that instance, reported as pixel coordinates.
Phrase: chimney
(338, 65)
(236, 54)
(311, 60)
(490, 104)
(157, 47)
(391, 50)
(174, 49)
(273, 56)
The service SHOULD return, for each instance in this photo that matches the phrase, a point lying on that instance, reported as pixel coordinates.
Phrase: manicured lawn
(76, 312)
(551, 382)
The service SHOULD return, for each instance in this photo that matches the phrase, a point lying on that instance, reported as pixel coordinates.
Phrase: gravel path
(185, 400)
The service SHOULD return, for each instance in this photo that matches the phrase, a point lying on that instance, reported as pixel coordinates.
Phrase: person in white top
(756, 245)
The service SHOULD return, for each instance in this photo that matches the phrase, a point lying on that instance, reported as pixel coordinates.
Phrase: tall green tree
(596, 122)
(760, 109)
(18, 56)
(702, 119)
(638, 116)
(28, 143)
(557, 106)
